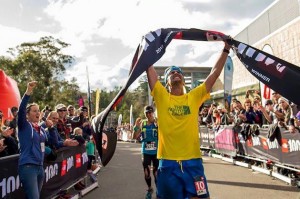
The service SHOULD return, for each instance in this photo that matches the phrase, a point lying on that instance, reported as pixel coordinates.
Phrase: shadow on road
(252, 185)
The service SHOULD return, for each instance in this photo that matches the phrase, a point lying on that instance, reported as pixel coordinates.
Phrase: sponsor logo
(256, 141)
(294, 145)
(258, 74)
(273, 145)
(84, 158)
(66, 165)
(150, 37)
(63, 168)
(253, 141)
(78, 160)
(264, 62)
(264, 143)
(70, 163)
(205, 136)
(179, 110)
(167, 37)
(285, 146)
(249, 142)
(9, 185)
(51, 171)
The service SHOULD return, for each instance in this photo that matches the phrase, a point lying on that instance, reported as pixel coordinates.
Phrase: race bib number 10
(200, 186)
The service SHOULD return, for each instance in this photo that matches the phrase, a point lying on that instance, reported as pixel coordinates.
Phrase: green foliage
(44, 62)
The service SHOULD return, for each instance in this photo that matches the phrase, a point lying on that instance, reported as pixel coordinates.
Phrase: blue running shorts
(181, 179)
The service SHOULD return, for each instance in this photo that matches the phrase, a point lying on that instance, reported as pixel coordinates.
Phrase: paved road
(123, 178)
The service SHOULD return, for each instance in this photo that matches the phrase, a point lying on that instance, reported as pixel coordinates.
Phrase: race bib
(43, 146)
(200, 186)
(150, 146)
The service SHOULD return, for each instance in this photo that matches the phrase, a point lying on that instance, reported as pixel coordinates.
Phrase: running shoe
(149, 194)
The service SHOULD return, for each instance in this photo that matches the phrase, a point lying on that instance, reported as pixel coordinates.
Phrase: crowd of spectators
(275, 112)
(64, 126)
(59, 124)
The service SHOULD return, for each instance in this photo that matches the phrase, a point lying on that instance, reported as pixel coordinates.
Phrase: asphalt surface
(123, 178)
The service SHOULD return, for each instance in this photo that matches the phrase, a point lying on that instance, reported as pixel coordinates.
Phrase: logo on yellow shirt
(179, 110)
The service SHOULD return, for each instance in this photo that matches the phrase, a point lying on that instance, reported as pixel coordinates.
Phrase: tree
(44, 62)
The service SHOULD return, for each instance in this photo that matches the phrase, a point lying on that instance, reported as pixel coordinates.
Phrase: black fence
(233, 141)
(69, 167)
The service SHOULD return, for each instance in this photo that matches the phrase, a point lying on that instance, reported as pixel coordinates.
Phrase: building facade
(276, 31)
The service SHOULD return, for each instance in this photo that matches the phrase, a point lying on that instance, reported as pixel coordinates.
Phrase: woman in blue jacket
(32, 146)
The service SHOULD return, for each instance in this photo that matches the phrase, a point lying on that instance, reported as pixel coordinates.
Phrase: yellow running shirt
(178, 137)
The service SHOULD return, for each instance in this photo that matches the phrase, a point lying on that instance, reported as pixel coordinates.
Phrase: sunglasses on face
(175, 71)
(62, 110)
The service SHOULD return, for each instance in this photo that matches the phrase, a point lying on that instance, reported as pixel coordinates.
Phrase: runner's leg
(146, 166)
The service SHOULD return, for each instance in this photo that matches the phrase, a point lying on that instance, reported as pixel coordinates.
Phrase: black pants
(90, 161)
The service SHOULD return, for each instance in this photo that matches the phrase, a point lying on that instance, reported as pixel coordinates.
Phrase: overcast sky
(104, 34)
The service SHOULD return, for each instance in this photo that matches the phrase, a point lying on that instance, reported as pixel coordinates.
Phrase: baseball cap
(148, 109)
(60, 106)
(83, 108)
(256, 98)
(220, 107)
(169, 70)
(269, 102)
(14, 109)
(70, 106)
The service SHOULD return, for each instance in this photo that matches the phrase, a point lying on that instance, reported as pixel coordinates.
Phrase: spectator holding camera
(248, 115)
(209, 118)
(267, 111)
(225, 118)
(237, 109)
(202, 115)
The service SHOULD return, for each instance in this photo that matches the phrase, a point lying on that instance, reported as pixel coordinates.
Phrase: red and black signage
(228, 140)
(261, 147)
(69, 167)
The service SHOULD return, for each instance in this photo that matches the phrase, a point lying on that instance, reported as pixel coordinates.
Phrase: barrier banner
(204, 137)
(207, 137)
(69, 167)
(261, 147)
(225, 140)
